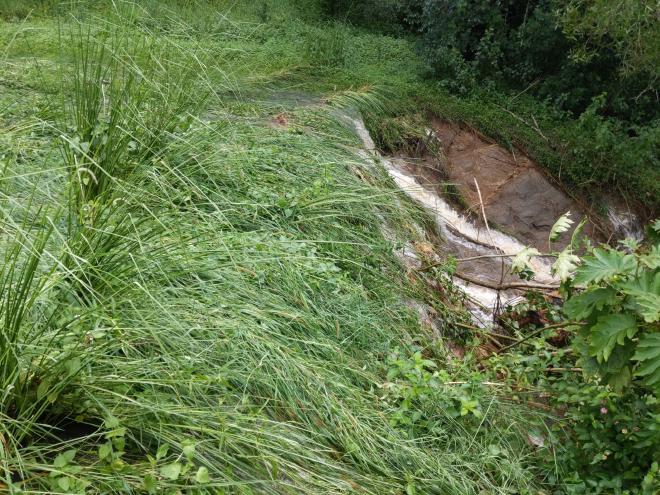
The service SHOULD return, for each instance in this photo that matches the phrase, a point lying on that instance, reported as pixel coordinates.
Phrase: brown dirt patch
(518, 197)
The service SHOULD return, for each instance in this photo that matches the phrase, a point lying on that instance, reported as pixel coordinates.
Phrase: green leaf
(64, 458)
(565, 265)
(645, 293)
(43, 389)
(652, 258)
(610, 330)
(162, 451)
(656, 225)
(188, 450)
(562, 225)
(620, 357)
(171, 471)
(604, 265)
(119, 443)
(521, 260)
(64, 483)
(105, 450)
(583, 305)
(150, 483)
(575, 237)
(202, 475)
(73, 366)
(648, 355)
(469, 406)
(619, 380)
(111, 422)
(119, 432)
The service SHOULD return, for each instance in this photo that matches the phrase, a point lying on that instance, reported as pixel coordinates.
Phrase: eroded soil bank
(515, 194)
(519, 202)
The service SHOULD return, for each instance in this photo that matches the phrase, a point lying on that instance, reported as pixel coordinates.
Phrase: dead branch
(531, 335)
(506, 286)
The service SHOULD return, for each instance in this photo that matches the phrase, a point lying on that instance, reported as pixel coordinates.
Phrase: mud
(517, 196)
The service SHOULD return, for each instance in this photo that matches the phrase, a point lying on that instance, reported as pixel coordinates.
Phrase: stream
(537, 205)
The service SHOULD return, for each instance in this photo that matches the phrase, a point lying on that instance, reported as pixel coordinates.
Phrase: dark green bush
(380, 14)
(612, 442)
(533, 45)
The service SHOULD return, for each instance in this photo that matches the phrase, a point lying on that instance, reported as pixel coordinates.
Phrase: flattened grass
(221, 306)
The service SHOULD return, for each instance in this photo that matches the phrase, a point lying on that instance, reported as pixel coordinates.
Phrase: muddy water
(517, 199)
(463, 237)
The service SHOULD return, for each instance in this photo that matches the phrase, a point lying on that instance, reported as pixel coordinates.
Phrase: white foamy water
(626, 224)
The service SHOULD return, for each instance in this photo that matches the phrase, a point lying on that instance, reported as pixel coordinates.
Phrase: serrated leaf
(619, 380)
(648, 355)
(575, 237)
(620, 357)
(171, 471)
(630, 243)
(521, 260)
(656, 225)
(604, 265)
(565, 265)
(645, 293)
(583, 305)
(562, 225)
(648, 306)
(652, 258)
(609, 331)
(202, 475)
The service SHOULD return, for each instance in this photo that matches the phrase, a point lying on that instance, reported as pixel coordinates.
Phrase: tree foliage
(565, 51)
(628, 27)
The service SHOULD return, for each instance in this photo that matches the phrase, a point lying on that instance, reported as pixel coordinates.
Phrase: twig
(482, 257)
(490, 335)
(503, 286)
(496, 309)
(531, 335)
(534, 127)
(490, 384)
(483, 212)
(533, 83)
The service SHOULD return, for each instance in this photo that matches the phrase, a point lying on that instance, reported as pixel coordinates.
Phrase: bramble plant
(613, 302)
(619, 303)
(606, 439)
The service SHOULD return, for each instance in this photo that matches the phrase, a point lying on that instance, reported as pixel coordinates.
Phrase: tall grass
(217, 299)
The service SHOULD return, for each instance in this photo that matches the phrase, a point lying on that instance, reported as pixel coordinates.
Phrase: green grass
(196, 301)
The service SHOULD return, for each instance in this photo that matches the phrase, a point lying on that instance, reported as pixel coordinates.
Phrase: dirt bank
(517, 196)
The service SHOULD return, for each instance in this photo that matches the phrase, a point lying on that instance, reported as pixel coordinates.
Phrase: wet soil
(516, 195)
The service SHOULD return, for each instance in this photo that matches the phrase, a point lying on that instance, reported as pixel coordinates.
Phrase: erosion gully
(511, 204)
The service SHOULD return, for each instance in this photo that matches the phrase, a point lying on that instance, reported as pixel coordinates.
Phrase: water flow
(462, 237)
(625, 223)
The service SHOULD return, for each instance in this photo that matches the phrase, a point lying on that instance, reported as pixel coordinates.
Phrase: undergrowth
(196, 293)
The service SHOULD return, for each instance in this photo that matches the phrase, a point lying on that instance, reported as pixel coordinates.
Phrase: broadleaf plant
(616, 296)
(563, 224)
